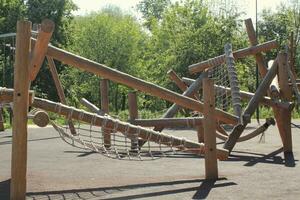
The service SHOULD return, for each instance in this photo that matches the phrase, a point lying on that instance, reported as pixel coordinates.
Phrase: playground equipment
(131, 140)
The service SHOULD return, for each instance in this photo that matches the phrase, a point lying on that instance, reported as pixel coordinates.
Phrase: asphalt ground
(255, 170)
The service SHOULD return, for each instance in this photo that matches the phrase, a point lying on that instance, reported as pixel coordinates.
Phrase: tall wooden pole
(211, 165)
(133, 113)
(105, 108)
(20, 111)
(1, 120)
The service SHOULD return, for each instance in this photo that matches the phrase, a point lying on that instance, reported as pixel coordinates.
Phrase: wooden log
(209, 124)
(20, 110)
(180, 84)
(292, 56)
(133, 82)
(40, 48)
(253, 41)
(59, 89)
(93, 108)
(201, 66)
(274, 87)
(105, 108)
(40, 118)
(284, 117)
(200, 133)
(169, 122)
(267, 101)
(133, 114)
(144, 133)
(251, 107)
(7, 95)
(1, 120)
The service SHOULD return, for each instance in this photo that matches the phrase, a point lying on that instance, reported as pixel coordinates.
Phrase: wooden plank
(40, 48)
(105, 107)
(201, 66)
(209, 124)
(144, 133)
(133, 82)
(59, 89)
(169, 122)
(20, 110)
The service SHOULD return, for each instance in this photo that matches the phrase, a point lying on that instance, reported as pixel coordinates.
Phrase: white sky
(247, 6)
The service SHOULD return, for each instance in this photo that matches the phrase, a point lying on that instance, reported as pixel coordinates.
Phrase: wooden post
(20, 111)
(59, 89)
(1, 120)
(211, 165)
(284, 116)
(133, 113)
(200, 133)
(105, 108)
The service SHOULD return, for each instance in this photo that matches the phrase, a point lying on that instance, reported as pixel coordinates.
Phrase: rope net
(113, 143)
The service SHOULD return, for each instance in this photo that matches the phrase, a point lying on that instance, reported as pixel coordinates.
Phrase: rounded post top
(47, 26)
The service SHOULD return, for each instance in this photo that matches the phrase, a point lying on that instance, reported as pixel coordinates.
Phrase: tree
(152, 10)
(109, 37)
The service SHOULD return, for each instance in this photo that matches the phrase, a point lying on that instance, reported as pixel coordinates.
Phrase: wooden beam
(253, 41)
(59, 89)
(274, 87)
(201, 66)
(284, 117)
(40, 48)
(133, 114)
(7, 95)
(144, 133)
(251, 107)
(105, 107)
(20, 110)
(267, 101)
(133, 82)
(209, 124)
(169, 122)
(93, 108)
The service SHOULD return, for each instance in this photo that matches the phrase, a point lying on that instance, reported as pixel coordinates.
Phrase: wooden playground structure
(277, 89)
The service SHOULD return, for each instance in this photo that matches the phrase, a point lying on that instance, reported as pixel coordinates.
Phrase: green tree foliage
(108, 37)
(10, 12)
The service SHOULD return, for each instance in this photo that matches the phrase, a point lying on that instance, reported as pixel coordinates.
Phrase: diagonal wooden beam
(59, 89)
(40, 47)
(133, 82)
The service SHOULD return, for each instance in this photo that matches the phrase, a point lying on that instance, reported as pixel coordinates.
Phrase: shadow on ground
(158, 189)
(252, 159)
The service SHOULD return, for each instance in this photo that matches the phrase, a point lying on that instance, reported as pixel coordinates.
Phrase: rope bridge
(92, 131)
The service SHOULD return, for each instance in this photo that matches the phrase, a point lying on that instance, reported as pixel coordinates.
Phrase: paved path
(58, 171)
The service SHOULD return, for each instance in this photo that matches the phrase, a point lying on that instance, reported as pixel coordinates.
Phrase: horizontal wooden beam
(131, 130)
(133, 82)
(7, 95)
(201, 66)
(169, 122)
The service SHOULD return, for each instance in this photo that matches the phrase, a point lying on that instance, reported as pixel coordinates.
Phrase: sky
(247, 6)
